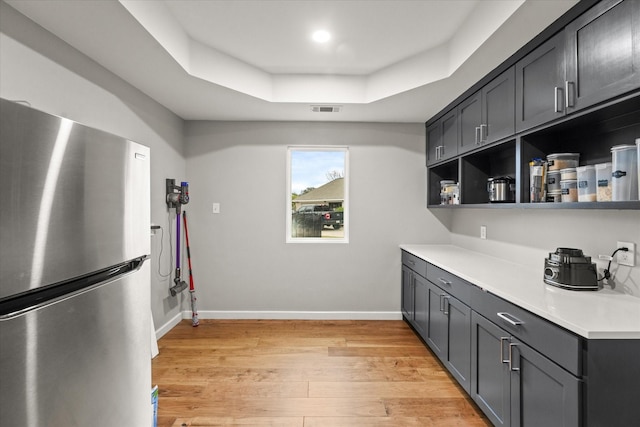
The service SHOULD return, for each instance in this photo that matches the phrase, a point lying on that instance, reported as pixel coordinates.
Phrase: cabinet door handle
(510, 319)
(441, 151)
(502, 341)
(484, 133)
(443, 297)
(511, 364)
(557, 93)
(445, 306)
(478, 135)
(568, 95)
(444, 281)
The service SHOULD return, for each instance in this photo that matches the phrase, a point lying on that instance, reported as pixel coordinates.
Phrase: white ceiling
(387, 61)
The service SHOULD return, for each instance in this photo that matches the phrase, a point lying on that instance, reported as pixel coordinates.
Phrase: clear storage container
(449, 193)
(568, 173)
(624, 173)
(554, 196)
(553, 181)
(559, 161)
(586, 183)
(603, 178)
(638, 161)
(569, 190)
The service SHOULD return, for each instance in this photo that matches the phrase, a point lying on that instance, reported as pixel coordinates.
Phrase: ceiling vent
(326, 108)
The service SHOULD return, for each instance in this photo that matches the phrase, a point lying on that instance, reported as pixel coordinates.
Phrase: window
(317, 194)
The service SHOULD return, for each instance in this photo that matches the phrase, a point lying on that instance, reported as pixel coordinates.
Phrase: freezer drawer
(81, 361)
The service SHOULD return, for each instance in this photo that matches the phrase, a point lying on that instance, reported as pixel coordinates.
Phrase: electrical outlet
(628, 257)
(215, 208)
(483, 232)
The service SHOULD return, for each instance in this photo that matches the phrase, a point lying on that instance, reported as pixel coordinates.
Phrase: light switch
(216, 208)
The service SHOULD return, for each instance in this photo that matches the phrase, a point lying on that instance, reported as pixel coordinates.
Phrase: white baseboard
(297, 315)
(170, 324)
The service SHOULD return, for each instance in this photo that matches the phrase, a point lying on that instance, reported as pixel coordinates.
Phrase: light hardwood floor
(304, 374)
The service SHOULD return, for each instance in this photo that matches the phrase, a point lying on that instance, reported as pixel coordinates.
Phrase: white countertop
(602, 314)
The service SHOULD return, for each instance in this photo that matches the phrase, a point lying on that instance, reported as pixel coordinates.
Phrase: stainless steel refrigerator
(74, 284)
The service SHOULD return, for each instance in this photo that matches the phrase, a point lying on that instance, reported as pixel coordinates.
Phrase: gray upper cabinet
(603, 53)
(442, 138)
(540, 80)
(498, 100)
(488, 115)
(470, 119)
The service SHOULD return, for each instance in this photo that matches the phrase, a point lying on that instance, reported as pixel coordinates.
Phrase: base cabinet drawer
(549, 339)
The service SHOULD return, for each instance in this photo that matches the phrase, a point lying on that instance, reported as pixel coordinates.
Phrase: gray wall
(245, 268)
(54, 77)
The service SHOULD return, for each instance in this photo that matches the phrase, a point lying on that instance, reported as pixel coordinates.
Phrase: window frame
(289, 199)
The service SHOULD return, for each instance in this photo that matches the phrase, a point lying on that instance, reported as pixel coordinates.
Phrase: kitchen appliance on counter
(569, 268)
(74, 284)
(501, 189)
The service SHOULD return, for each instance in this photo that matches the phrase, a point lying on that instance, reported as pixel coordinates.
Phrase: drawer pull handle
(502, 341)
(444, 281)
(411, 262)
(510, 319)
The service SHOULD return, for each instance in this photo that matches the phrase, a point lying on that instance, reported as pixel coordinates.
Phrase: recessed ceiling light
(321, 36)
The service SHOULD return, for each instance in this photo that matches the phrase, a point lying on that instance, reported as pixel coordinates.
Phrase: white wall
(243, 265)
(526, 236)
(53, 77)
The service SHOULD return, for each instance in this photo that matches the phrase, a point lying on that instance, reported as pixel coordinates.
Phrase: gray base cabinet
(408, 308)
(542, 393)
(519, 368)
(490, 382)
(448, 333)
(515, 385)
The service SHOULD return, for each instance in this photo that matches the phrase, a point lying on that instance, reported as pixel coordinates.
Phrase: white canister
(624, 173)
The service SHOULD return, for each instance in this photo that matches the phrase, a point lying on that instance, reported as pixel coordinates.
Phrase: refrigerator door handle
(16, 305)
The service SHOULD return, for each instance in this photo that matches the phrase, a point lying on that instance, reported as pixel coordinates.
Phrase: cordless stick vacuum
(176, 197)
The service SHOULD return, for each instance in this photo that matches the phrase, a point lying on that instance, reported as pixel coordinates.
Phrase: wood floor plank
(305, 374)
(244, 422)
(438, 387)
(275, 407)
(392, 422)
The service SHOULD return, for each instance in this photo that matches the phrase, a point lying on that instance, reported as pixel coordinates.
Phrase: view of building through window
(317, 190)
